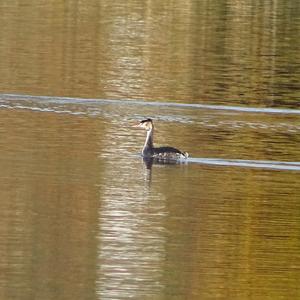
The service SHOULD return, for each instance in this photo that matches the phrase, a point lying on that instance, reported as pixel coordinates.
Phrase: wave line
(263, 164)
(64, 100)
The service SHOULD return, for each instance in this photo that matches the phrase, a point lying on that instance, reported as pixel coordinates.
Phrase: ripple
(262, 164)
(63, 100)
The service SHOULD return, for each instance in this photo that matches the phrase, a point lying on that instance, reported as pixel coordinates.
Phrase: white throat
(148, 146)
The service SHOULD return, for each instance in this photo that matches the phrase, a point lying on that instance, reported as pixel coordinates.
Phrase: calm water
(82, 216)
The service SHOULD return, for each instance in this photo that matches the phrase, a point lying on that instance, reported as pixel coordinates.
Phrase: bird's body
(149, 151)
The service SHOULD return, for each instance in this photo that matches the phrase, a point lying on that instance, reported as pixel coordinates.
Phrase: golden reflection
(234, 53)
(80, 215)
(48, 205)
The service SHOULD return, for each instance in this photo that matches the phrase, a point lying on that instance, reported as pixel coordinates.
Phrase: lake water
(83, 217)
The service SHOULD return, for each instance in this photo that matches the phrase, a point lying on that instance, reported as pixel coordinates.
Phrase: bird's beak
(136, 125)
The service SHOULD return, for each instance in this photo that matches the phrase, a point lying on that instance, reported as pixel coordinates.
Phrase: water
(83, 217)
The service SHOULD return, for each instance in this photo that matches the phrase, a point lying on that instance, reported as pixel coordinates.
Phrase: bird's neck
(148, 146)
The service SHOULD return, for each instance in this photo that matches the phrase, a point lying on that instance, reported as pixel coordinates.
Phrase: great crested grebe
(149, 151)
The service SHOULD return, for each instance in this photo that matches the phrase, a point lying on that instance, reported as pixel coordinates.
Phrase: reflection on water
(132, 237)
(48, 196)
(222, 52)
(82, 216)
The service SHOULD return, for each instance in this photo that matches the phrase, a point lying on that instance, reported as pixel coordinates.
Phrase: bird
(161, 153)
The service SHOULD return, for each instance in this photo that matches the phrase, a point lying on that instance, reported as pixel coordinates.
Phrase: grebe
(149, 151)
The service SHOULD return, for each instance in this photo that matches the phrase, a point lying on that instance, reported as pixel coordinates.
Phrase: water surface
(220, 52)
(83, 217)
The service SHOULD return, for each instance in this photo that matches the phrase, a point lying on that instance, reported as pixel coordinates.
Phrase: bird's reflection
(150, 161)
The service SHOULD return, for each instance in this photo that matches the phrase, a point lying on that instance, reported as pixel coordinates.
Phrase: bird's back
(169, 153)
